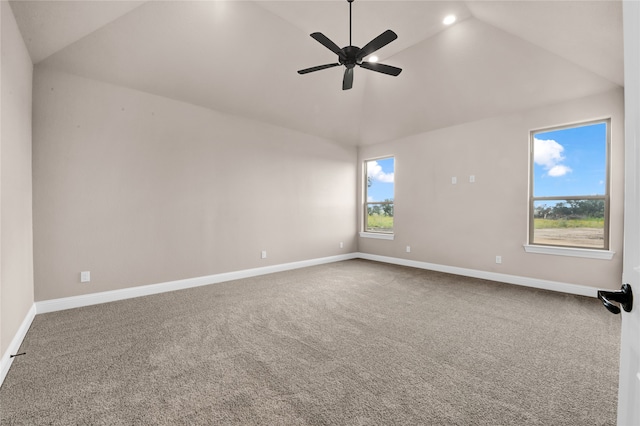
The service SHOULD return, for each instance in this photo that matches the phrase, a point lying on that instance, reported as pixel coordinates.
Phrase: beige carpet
(349, 343)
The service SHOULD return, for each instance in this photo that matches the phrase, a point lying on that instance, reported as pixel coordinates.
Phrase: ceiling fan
(350, 56)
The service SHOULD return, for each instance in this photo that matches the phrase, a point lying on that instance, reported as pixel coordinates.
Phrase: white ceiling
(241, 57)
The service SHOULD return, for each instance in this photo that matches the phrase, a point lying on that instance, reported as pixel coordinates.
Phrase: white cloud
(559, 170)
(548, 154)
(374, 171)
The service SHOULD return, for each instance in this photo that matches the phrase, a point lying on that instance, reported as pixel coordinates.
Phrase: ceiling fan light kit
(350, 56)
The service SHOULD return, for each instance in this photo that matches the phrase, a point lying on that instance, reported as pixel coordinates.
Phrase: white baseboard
(493, 276)
(128, 293)
(14, 346)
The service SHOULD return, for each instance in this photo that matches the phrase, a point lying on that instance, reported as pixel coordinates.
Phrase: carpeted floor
(348, 343)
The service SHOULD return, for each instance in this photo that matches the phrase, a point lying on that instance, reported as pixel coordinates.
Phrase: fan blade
(347, 81)
(377, 43)
(318, 68)
(384, 69)
(324, 40)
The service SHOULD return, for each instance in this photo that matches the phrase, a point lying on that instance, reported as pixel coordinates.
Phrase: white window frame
(567, 250)
(365, 233)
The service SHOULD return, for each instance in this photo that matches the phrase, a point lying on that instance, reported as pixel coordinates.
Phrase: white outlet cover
(263, 254)
(85, 276)
(472, 179)
(454, 180)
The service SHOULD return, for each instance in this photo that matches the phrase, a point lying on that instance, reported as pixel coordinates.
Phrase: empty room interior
(209, 216)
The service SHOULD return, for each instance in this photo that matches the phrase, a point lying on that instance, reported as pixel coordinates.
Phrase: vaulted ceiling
(241, 57)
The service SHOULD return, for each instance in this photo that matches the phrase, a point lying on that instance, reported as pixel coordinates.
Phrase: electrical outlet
(408, 249)
(498, 259)
(263, 255)
(85, 276)
(454, 180)
(472, 179)
(341, 244)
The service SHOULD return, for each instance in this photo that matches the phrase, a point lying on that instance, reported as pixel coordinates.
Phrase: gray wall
(140, 189)
(467, 225)
(16, 238)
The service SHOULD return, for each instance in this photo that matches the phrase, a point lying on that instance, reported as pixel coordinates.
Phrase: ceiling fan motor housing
(351, 59)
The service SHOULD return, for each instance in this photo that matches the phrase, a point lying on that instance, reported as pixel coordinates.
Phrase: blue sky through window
(570, 161)
(380, 174)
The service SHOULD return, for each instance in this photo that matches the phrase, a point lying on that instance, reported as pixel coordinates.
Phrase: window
(569, 195)
(378, 205)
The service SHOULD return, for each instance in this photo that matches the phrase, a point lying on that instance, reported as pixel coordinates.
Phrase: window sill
(570, 251)
(376, 235)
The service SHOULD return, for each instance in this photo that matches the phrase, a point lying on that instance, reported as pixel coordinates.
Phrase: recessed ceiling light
(449, 19)
(373, 58)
